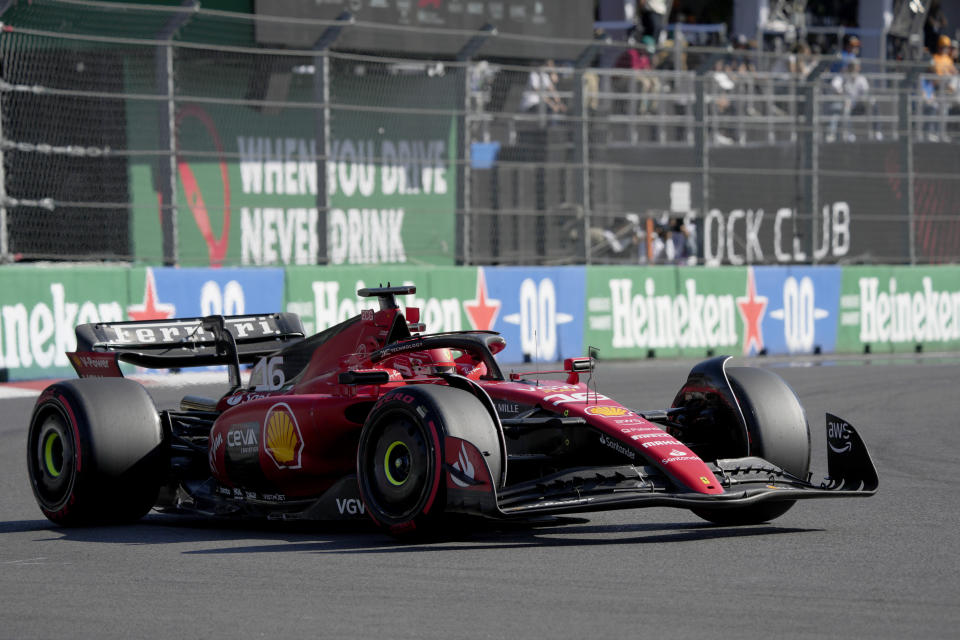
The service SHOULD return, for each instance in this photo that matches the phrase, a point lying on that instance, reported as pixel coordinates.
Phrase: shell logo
(282, 439)
(607, 411)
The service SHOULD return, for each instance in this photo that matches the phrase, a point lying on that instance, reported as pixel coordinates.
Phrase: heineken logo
(891, 312)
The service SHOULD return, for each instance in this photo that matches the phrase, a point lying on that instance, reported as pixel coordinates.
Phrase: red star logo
(424, 3)
(752, 308)
(482, 311)
(151, 308)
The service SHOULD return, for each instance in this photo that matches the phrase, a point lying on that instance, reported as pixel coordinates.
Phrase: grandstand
(191, 134)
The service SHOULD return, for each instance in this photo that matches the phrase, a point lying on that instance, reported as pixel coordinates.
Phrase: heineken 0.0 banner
(323, 297)
(538, 310)
(247, 176)
(633, 313)
(695, 312)
(544, 313)
(900, 308)
(40, 307)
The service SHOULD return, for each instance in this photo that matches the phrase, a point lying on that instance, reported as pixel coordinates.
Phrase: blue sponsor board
(197, 292)
(542, 311)
(802, 306)
(201, 291)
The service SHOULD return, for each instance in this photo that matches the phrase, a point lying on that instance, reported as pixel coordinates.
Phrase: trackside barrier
(545, 313)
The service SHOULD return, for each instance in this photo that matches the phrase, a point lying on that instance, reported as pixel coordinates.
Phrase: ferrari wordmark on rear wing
(182, 342)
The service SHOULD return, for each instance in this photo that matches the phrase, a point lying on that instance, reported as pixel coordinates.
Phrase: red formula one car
(374, 418)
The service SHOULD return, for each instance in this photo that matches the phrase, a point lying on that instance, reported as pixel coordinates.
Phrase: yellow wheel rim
(50, 441)
(398, 463)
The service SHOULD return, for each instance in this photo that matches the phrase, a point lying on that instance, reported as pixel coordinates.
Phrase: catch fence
(191, 136)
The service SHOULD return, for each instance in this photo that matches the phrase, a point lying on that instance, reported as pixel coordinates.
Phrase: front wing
(746, 481)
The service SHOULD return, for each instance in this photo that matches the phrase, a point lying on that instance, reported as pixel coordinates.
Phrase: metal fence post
(4, 242)
(905, 124)
(464, 196)
(4, 237)
(701, 144)
(581, 155)
(581, 142)
(321, 94)
(167, 171)
(462, 226)
(811, 165)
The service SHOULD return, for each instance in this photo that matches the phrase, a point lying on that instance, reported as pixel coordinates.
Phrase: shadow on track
(365, 538)
(574, 536)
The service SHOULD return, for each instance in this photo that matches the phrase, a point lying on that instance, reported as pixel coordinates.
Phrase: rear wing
(184, 342)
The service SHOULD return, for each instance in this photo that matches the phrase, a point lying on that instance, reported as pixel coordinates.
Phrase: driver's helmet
(442, 361)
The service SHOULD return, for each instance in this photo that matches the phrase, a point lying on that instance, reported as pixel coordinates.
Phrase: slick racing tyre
(400, 455)
(778, 432)
(94, 452)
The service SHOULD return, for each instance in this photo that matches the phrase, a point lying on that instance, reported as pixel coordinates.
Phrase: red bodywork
(301, 438)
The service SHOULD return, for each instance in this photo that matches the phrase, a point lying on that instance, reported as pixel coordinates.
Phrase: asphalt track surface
(883, 567)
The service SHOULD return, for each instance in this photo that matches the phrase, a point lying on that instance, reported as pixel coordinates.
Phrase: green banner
(40, 307)
(895, 309)
(668, 311)
(247, 176)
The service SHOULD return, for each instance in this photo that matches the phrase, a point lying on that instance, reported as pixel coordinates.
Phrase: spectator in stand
(740, 61)
(852, 88)
(933, 26)
(653, 14)
(942, 62)
(540, 94)
(683, 233)
(638, 60)
(723, 87)
(955, 81)
(850, 53)
(936, 92)
(740, 66)
(940, 95)
(802, 61)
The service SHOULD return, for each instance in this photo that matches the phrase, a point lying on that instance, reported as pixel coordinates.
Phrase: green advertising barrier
(247, 176)
(897, 309)
(630, 311)
(40, 306)
(324, 296)
(634, 312)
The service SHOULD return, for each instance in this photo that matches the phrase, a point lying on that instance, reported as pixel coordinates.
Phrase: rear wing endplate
(189, 342)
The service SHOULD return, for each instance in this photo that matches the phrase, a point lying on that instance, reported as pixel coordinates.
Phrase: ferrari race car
(373, 418)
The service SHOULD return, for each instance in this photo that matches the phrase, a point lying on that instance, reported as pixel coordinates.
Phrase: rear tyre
(400, 455)
(778, 432)
(94, 452)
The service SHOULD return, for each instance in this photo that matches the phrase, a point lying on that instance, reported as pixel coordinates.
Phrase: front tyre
(400, 466)
(399, 463)
(778, 432)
